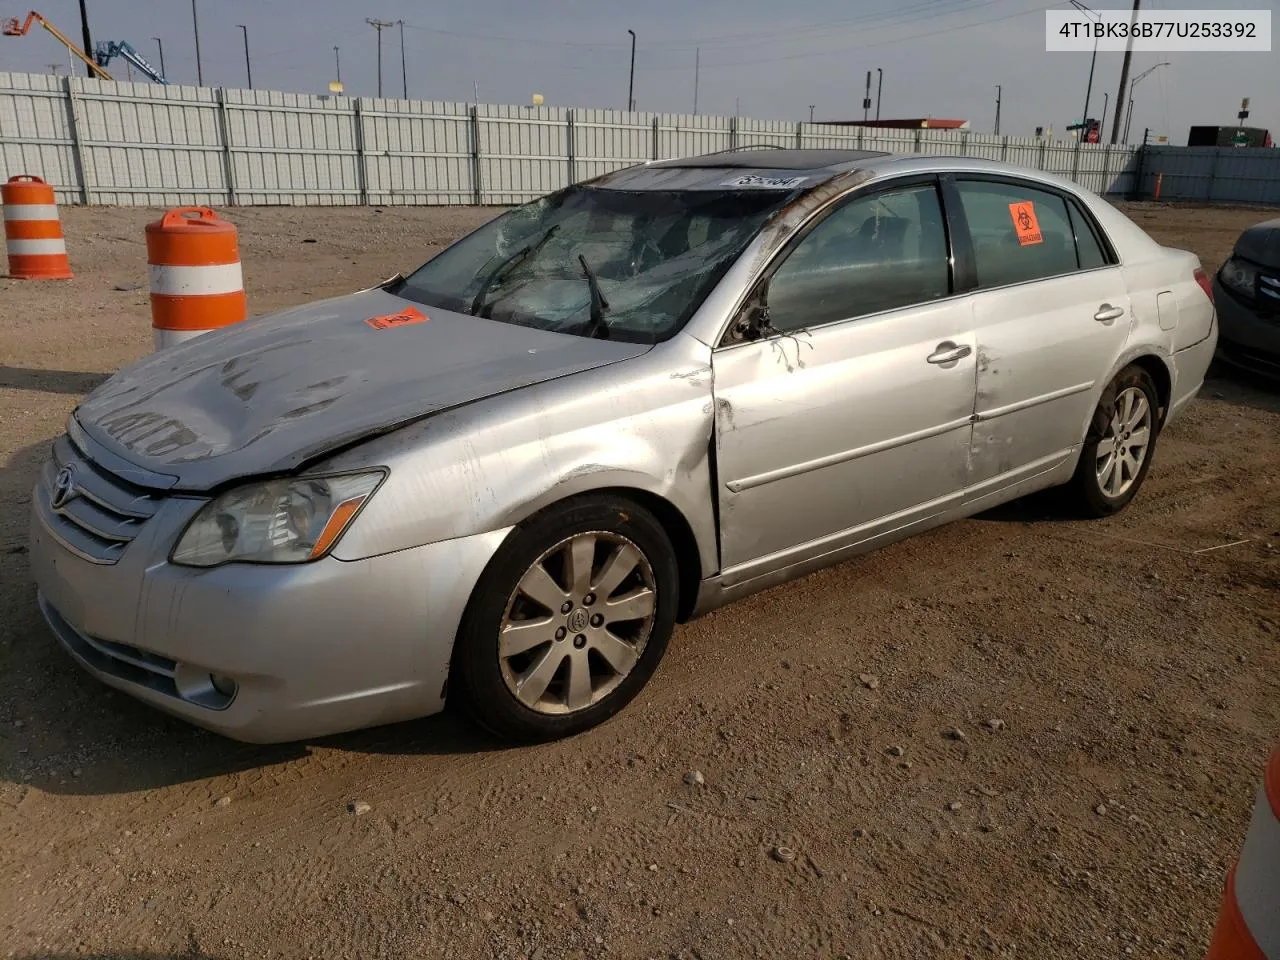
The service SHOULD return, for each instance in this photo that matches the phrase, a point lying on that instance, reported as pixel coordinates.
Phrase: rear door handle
(1107, 313)
(948, 352)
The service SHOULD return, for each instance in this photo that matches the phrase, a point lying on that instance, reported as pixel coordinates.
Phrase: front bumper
(1250, 338)
(257, 652)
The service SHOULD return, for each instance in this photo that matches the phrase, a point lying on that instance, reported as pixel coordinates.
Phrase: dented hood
(277, 391)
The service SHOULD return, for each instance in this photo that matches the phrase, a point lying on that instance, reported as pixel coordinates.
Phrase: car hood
(274, 392)
(1261, 244)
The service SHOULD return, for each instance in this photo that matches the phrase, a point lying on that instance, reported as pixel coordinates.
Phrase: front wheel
(1118, 449)
(569, 620)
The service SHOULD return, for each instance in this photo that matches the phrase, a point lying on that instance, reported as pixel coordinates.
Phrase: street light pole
(404, 75)
(337, 64)
(1133, 86)
(811, 106)
(379, 25)
(999, 91)
(1088, 92)
(1106, 102)
(248, 69)
(195, 27)
(879, 90)
(160, 47)
(1124, 74)
(631, 84)
(88, 41)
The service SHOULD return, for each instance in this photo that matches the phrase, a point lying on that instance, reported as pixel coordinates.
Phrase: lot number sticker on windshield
(767, 183)
(1025, 223)
(402, 319)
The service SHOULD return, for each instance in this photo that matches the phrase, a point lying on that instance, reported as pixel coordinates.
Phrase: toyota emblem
(64, 488)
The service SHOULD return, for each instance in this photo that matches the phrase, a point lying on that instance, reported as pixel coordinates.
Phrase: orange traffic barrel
(32, 234)
(193, 264)
(1249, 921)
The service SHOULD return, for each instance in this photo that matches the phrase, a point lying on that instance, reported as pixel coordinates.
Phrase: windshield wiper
(596, 327)
(500, 272)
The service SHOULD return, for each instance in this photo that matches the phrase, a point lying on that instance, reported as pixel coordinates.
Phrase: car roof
(781, 158)
(756, 167)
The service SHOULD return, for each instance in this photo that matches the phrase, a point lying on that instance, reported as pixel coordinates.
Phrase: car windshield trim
(654, 255)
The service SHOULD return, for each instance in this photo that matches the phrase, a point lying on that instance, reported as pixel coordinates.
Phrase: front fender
(642, 424)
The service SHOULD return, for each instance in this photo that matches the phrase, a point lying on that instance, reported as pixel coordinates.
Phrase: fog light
(224, 685)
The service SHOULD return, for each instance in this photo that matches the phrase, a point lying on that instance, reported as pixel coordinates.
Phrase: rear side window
(1087, 245)
(1019, 233)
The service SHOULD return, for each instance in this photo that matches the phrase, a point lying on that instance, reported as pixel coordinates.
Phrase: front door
(852, 415)
(1052, 313)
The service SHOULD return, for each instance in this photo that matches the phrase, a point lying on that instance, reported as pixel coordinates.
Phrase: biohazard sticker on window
(1025, 224)
(402, 319)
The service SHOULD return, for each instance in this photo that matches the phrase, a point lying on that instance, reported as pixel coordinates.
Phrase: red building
(920, 123)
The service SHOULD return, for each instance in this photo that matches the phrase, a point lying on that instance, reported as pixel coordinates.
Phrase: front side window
(876, 253)
(1019, 233)
(651, 257)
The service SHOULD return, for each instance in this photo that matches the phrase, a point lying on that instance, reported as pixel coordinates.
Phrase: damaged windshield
(621, 265)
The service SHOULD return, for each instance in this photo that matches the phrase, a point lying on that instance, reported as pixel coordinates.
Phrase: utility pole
(866, 100)
(195, 26)
(697, 63)
(1088, 91)
(998, 93)
(54, 68)
(88, 41)
(337, 64)
(811, 107)
(160, 47)
(879, 90)
(404, 76)
(379, 25)
(248, 70)
(631, 85)
(1124, 75)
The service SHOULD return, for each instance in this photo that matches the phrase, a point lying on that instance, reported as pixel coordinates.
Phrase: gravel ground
(1113, 684)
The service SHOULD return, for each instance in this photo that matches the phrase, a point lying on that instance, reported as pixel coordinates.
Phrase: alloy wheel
(577, 622)
(1123, 449)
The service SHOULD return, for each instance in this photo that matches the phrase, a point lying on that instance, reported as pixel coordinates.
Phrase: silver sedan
(504, 477)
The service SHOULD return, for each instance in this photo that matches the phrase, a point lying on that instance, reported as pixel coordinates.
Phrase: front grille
(94, 513)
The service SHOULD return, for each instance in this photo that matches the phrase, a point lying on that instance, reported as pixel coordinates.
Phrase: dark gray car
(1248, 299)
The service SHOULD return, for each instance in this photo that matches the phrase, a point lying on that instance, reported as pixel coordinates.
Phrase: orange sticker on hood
(402, 319)
(1025, 223)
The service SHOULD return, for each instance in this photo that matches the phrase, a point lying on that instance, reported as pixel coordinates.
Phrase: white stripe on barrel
(31, 211)
(30, 248)
(179, 281)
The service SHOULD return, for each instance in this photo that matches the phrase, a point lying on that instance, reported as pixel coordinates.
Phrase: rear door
(1052, 314)
(851, 416)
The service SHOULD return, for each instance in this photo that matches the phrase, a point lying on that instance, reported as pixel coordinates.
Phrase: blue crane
(107, 50)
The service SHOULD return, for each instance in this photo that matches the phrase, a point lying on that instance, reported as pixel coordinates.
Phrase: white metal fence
(147, 144)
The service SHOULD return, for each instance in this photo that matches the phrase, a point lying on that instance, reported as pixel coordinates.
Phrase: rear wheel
(1118, 448)
(568, 622)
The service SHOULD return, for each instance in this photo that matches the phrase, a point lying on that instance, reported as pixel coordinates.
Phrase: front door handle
(948, 352)
(1107, 313)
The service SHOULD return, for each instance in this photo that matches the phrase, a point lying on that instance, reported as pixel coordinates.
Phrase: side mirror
(753, 318)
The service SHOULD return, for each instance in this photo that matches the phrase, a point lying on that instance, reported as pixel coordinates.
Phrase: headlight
(277, 521)
(1239, 276)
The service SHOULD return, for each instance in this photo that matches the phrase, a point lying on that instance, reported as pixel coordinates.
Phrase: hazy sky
(941, 58)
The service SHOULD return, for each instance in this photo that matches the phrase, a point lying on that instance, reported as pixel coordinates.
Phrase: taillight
(1206, 284)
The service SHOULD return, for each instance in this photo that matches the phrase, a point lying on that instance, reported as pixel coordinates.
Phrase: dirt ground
(1134, 663)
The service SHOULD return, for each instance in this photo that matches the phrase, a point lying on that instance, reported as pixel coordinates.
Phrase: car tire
(495, 678)
(1112, 465)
